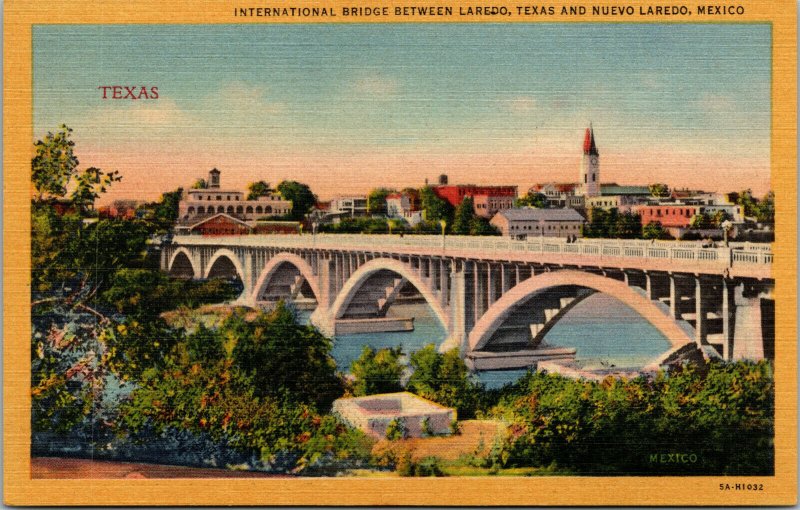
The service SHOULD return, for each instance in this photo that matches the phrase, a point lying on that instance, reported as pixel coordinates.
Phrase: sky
(346, 108)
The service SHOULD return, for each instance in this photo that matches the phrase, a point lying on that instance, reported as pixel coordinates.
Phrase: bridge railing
(746, 254)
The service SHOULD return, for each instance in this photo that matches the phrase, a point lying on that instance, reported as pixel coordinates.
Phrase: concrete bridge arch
(197, 273)
(274, 265)
(231, 256)
(368, 269)
(500, 311)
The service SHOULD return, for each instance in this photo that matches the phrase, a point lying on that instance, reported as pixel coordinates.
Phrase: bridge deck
(737, 260)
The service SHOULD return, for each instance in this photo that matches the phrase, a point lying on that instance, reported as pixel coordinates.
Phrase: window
(219, 197)
(594, 177)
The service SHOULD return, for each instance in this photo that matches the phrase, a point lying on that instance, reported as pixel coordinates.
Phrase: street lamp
(443, 224)
(314, 226)
(726, 227)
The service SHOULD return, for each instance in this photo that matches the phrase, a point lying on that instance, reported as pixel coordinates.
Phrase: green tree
(284, 358)
(444, 378)
(54, 170)
(628, 226)
(377, 371)
(303, 200)
(481, 227)
(659, 190)
(532, 199)
(765, 212)
(200, 184)
(654, 230)
(434, 208)
(376, 200)
(258, 189)
(165, 211)
(462, 219)
(54, 164)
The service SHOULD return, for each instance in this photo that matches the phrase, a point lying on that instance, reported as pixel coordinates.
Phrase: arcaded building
(200, 203)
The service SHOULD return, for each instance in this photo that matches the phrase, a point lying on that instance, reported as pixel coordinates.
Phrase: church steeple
(589, 147)
(590, 166)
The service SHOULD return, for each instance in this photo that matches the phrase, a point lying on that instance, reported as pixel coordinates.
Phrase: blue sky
(402, 102)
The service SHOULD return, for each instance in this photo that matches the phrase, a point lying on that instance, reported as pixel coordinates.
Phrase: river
(604, 331)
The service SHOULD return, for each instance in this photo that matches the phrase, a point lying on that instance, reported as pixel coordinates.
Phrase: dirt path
(55, 467)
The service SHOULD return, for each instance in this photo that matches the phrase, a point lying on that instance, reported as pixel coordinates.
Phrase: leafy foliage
(654, 230)
(659, 190)
(434, 208)
(377, 371)
(613, 224)
(376, 200)
(532, 199)
(258, 189)
(444, 378)
(720, 414)
(301, 196)
(762, 210)
(283, 358)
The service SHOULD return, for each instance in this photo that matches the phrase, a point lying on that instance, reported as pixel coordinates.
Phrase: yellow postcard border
(20, 489)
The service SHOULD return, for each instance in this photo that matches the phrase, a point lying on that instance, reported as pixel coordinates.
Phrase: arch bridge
(497, 298)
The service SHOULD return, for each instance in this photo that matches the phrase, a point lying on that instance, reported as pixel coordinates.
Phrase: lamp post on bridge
(726, 227)
(314, 226)
(443, 224)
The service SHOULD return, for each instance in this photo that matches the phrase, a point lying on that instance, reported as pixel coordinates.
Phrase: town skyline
(359, 107)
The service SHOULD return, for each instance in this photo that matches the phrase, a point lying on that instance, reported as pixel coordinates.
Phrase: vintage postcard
(400, 253)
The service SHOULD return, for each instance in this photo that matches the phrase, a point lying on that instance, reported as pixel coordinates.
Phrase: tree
(284, 358)
(532, 199)
(377, 371)
(481, 227)
(462, 219)
(165, 211)
(434, 208)
(659, 190)
(54, 163)
(55, 166)
(376, 200)
(444, 378)
(654, 230)
(628, 226)
(303, 200)
(258, 189)
(200, 184)
(765, 212)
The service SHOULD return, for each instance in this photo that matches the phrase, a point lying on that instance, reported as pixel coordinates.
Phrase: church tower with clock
(590, 166)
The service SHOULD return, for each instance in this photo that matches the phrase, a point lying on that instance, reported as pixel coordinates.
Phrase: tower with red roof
(590, 166)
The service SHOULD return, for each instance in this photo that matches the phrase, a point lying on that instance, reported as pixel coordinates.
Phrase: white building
(520, 223)
(402, 205)
(200, 203)
(355, 205)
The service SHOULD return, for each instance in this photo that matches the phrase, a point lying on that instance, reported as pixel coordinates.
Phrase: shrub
(720, 414)
(377, 371)
(445, 379)
(396, 429)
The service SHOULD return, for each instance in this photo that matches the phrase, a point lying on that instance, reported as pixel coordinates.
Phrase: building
(590, 167)
(219, 224)
(125, 209)
(669, 215)
(203, 203)
(404, 205)
(520, 223)
(355, 205)
(559, 194)
(614, 196)
(487, 200)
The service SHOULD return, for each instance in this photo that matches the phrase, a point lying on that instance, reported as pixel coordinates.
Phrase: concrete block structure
(374, 413)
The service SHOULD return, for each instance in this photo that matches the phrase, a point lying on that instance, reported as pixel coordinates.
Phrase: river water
(604, 331)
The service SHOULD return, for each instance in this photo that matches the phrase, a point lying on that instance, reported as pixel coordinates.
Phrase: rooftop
(534, 214)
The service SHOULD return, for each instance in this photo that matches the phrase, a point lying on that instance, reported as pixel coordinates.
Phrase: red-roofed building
(487, 200)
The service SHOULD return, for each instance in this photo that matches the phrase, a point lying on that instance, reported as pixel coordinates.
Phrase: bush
(377, 371)
(721, 415)
(396, 429)
(445, 379)
(283, 358)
